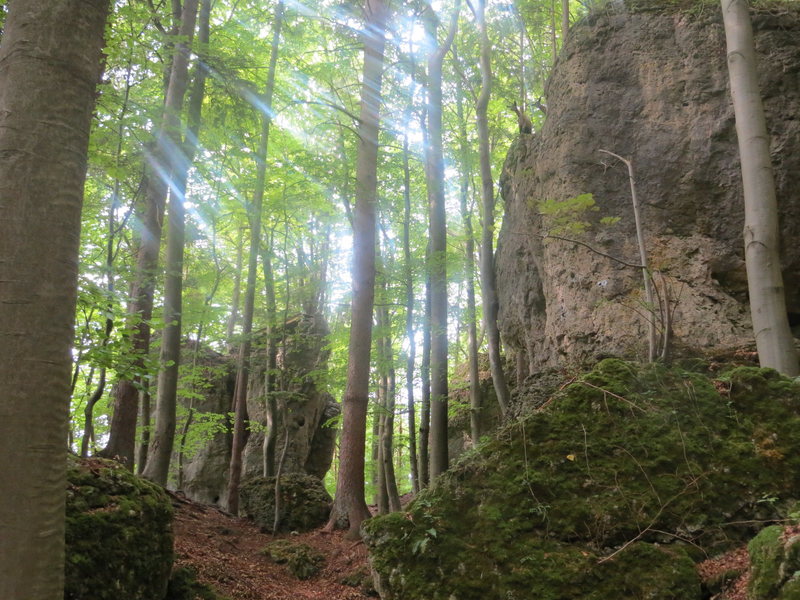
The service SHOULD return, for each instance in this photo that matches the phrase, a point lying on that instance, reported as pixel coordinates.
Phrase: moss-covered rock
(305, 503)
(183, 585)
(611, 490)
(302, 560)
(775, 561)
(119, 534)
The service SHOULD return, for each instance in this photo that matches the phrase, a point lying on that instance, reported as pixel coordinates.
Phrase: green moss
(302, 560)
(650, 454)
(118, 534)
(183, 585)
(775, 561)
(305, 503)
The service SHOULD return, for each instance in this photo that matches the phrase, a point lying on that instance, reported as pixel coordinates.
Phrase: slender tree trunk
(564, 23)
(237, 287)
(158, 460)
(122, 433)
(425, 408)
(434, 158)
(271, 437)
(488, 283)
(410, 331)
(471, 317)
(774, 340)
(50, 50)
(390, 478)
(349, 506)
(145, 418)
(243, 367)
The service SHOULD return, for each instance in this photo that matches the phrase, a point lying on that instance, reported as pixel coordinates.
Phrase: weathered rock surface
(775, 560)
(612, 489)
(207, 447)
(118, 536)
(651, 86)
(305, 409)
(304, 504)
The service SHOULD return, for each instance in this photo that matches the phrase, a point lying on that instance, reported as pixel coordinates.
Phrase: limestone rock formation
(304, 406)
(650, 85)
(306, 410)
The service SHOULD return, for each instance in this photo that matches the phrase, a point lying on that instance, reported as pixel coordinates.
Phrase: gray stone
(653, 87)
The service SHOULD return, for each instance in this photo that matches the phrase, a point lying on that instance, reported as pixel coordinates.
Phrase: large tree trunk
(163, 438)
(434, 159)
(349, 506)
(49, 50)
(243, 362)
(488, 283)
(774, 340)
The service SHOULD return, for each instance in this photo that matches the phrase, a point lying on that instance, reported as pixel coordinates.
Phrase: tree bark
(172, 147)
(469, 276)
(425, 408)
(437, 265)
(488, 283)
(409, 283)
(49, 50)
(243, 362)
(237, 287)
(774, 340)
(349, 506)
(122, 432)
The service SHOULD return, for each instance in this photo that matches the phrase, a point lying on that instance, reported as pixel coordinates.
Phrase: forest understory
(227, 554)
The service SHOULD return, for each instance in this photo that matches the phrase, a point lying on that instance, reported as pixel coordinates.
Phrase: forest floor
(226, 552)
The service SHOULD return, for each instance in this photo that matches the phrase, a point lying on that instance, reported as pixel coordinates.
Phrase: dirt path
(226, 553)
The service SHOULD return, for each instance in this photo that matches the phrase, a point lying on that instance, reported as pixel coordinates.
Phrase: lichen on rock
(613, 489)
(118, 534)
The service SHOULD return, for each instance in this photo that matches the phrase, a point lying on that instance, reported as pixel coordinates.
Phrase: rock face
(204, 470)
(614, 489)
(306, 410)
(118, 536)
(304, 406)
(651, 86)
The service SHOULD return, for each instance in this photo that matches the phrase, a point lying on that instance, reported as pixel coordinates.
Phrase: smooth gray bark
(774, 340)
(49, 50)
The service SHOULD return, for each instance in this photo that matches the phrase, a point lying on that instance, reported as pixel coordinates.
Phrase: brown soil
(226, 553)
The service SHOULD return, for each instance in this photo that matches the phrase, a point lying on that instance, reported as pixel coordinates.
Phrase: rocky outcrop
(304, 407)
(651, 86)
(303, 419)
(613, 488)
(118, 534)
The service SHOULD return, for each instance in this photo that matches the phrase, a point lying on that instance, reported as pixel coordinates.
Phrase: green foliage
(565, 216)
(570, 501)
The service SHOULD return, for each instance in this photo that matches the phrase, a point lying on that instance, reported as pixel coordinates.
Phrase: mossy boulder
(305, 503)
(183, 585)
(302, 560)
(118, 534)
(612, 489)
(775, 560)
